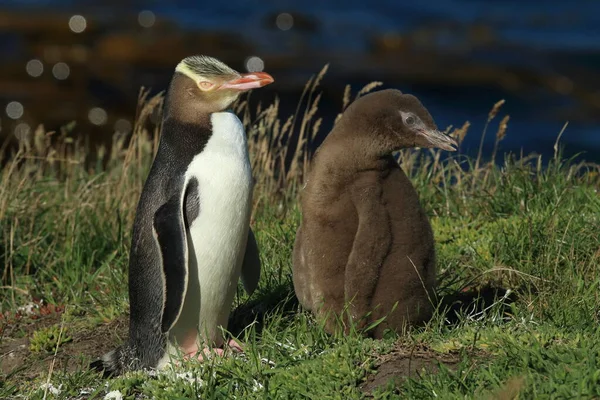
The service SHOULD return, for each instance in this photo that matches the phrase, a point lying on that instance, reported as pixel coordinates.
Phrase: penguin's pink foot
(235, 346)
(208, 352)
(205, 353)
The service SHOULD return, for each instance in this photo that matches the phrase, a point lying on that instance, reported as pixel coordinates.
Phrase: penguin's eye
(205, 85)
(410, 120)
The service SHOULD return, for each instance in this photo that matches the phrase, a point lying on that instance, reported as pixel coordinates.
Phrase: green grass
(64, 237)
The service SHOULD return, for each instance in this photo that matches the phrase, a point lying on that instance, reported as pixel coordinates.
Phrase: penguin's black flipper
(169, 229)
(251, 264)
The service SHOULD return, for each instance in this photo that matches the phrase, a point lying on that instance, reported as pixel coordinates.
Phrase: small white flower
(28, 309)
(188, 376)
(267, 361)
(51, 388)
(114, 395)
(85, 391)
(257, 385)
(286, 346)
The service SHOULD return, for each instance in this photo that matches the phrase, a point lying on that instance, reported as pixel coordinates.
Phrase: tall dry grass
(58, 194)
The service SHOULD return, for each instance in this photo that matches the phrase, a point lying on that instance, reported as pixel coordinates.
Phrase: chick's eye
(205, 85)
(410, 120)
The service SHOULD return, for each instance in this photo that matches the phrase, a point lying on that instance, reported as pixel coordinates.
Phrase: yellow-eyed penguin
(191, 238)
(364, 241)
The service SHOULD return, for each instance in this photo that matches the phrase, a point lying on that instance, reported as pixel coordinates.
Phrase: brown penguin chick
(364, 240)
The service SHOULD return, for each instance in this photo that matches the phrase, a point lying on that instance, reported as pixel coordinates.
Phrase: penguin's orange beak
(251, 80)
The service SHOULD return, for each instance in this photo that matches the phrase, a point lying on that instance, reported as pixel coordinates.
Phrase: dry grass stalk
(460, 133)
(367, 88)
(502, 128)
(280, 153)
(346, 98)
(492, 114)
(319, 78)
(500, 134)
(494, 111)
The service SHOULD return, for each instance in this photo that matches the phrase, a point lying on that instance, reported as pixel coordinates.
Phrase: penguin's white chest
(217, 237)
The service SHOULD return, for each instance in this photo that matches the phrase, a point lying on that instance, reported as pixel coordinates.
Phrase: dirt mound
(406, 361)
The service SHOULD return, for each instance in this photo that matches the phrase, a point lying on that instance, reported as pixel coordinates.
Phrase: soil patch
(18, 364)
(407, 361)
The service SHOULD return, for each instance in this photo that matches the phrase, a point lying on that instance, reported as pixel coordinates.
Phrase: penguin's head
(210, 85)
(395, 120)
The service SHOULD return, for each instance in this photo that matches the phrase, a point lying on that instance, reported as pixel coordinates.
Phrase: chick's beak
(248, 81)
(434, 138)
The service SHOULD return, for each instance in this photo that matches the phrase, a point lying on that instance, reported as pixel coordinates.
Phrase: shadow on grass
(281, 300)
(475, 302)
(404, 361)
(453, 306)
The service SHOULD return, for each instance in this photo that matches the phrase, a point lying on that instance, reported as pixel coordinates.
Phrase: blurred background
(85, 61)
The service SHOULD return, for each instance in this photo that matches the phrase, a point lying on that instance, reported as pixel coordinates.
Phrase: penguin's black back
(180, 142)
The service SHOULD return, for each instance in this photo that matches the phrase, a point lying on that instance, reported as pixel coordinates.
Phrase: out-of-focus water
(545, 24)
(547, 27)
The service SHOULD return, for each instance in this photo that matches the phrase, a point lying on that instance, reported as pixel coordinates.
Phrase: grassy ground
(518, 259)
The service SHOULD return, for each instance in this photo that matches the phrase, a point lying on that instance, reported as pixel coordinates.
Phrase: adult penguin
(191, 238)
